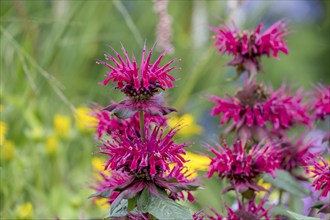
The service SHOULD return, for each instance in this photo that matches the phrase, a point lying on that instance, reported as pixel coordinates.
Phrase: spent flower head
(248, 46)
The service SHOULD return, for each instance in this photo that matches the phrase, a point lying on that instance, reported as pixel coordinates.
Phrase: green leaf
(118, 211)
(285, 181)
(124, 113)
(277, 210)
(104, 194)
(165, 208)
(143, 200)
(317, 205)
(301, 217)
(132, 203)
(162, 207)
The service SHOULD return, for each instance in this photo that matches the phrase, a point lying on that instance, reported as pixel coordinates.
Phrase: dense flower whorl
(322, 104)
(320, 171)
(241, 165)
(248, 46)
(144, 158)
(254, 106)
(248, 211)
(139, 82)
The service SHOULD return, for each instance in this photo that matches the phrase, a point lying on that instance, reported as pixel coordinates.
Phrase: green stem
(142, 126)
(280, 197)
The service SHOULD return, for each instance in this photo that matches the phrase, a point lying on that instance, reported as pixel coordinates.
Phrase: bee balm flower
(254, 106)
(248, 46)
(147, 157)
(241, 166)
(140, 83)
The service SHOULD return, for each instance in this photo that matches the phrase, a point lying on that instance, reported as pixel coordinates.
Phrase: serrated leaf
(118, 211)
(285, 181)
(301, 217)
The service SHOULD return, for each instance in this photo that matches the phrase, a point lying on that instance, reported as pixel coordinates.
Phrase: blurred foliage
(48, 53)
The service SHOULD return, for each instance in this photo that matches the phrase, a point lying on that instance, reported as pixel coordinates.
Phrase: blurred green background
(48, 71)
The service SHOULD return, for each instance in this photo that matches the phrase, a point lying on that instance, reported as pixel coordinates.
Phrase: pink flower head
(241, 165)
(248, 211)
(138, 82)
(322, 104)
(320, 171)
(108, 124)
(254, 106)
(144, 158)
(248, 46)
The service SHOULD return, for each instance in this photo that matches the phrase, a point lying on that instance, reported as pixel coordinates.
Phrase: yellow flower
(51, 145)
(274, 195)
(3, 131)
(265, 185)
(62, 125)
(98, 165)
(188, 125)
(8, 150)
(196, 163)
(84, 121)
(25, 211)
(102, 203)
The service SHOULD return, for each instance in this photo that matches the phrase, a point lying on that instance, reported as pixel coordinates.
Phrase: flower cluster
(143, 157)
(255, 106)
(242, 166)
(248, 46)
(138, 143)
(139, 83)
(258, 114)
